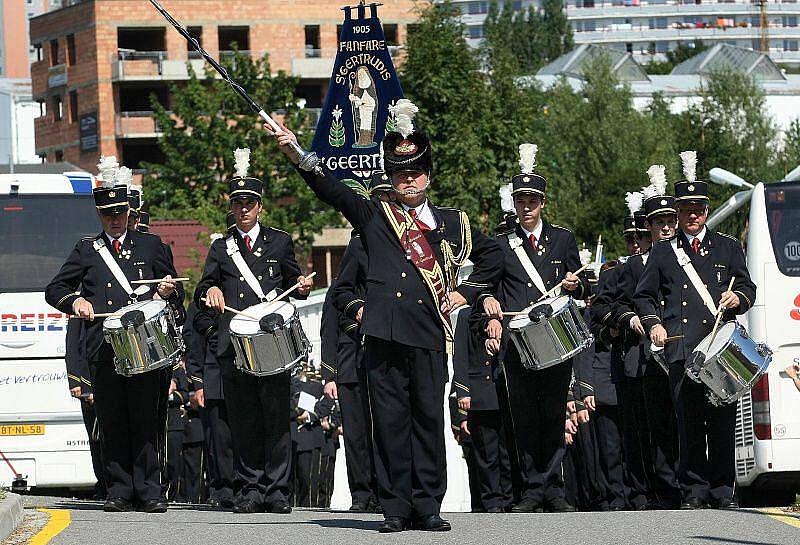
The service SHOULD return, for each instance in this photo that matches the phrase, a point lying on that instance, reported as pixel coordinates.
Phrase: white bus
(41, 429)
(768, 423)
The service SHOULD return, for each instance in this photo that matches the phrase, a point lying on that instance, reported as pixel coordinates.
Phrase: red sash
(420, 253)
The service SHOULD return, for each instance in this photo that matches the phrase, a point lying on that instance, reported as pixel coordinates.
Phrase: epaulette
(554, 226)
(90, 238)
(279, 231)
(726, 235)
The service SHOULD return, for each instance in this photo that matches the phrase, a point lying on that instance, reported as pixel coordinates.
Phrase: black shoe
(432, 523)
(527, 506)
(280, 507)
(692, 503)
(154, 506)
(359, 507)
(117, 505)
(727, 503)
(560, 505)
(392, 525)
(495, 510)
(617, 508)
(247, 506)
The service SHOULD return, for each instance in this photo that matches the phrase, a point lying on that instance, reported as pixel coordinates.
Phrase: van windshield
(37, 233)
(783, 217)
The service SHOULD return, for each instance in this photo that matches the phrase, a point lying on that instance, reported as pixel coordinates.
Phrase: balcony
(682, 10)
(136, 125)
(646, 34)
(313, 67)
(156, 66)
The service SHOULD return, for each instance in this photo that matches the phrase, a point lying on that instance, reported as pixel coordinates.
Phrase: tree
(207, 121)
(555, 29)
(684, 51)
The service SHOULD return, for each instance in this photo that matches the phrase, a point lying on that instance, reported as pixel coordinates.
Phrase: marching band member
(414, 249)
(692, 287)
(95, 279)
(660, 222)
(257, 406)
(537, 256)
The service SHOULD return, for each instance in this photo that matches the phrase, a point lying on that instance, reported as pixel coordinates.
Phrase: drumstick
(158, 280)
(552, 291)
(238, 312)
(290, 290)
(720, 312)
(673, 338)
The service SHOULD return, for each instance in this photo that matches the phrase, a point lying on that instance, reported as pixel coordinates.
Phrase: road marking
(59, 520)
(786, 517)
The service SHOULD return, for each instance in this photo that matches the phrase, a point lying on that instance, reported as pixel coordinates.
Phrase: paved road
(192, 524)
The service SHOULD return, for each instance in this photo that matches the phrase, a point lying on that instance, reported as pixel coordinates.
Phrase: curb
(10, 514)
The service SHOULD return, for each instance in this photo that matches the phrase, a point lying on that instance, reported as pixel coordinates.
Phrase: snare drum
(144, 337)
(733, 363)
(271, 345)
(553, 338)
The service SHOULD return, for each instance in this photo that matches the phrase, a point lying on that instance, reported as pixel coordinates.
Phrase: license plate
(8, 430)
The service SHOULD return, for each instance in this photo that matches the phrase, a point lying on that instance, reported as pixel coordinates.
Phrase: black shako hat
(690, 188)
(144, 222)
(527, 181)
(244, 186)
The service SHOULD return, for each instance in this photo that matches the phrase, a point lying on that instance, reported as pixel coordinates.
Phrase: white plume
(658, 178)
(527, 157)
(634, 201)
(649, 191)
(241, 158)
(404, 111)
(108, 169)
(125, 177)
(506, 200)
(586, 254)
(689, 159)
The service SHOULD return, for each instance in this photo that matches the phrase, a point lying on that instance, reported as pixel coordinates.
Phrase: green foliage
(684, 51)
(207, 121)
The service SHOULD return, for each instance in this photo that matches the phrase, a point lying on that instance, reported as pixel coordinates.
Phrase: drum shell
(553, 340)
(271, 352)
(737, 368)
(148, 347)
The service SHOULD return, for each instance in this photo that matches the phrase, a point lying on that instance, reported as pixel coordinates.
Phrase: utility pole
(764, 26)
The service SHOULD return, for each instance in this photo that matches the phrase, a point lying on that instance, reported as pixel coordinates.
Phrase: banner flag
(355, 116)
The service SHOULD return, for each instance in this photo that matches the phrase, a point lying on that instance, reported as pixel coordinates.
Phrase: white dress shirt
(424, 214)
(252, 233)
(701, 235)
(537, 232)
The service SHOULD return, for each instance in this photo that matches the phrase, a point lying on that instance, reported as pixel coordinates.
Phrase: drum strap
(113, 266)
(516, 244)
(686, 263)
(244, 270)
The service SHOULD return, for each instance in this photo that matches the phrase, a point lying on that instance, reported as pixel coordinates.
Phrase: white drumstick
(238, 312)
(555, 289)
(159, 280)
(285, 294)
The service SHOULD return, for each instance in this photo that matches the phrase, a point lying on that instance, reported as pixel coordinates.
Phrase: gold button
(662, 303)
(705, 321)
(530, 285)
(685, 321)
(259, 277)
(419, 301)
(110, 302)
(685, 286)
(488, 377)
(241, 278)
(403, 275)
(108, 285)
(241, 295)
(684, 303)
(486, 363)
(530, 303)
(399, 294)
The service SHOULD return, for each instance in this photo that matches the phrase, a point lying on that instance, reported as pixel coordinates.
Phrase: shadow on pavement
(715, 539)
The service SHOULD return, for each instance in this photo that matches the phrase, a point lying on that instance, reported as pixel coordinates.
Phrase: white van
(768, 423)
(42, 434)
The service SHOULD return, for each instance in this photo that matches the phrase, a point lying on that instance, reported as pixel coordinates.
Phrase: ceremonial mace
(308, 159)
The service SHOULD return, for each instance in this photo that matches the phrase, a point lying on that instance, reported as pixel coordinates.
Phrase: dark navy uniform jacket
(85, 274)
(398, 306)
(475, 372)
(719, 258)
(272, 262)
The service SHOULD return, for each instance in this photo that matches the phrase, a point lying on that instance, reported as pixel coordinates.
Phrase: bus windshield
(37, 233)
(783, 217)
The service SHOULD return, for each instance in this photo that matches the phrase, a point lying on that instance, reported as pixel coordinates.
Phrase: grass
(2, 494)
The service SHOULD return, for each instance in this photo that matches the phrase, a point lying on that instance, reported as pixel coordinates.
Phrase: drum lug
(714, 399)
(763, 350)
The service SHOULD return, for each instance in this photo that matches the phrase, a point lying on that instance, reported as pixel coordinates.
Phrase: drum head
(558, 303)
(242, 325)
(724, 335)
(150, 309)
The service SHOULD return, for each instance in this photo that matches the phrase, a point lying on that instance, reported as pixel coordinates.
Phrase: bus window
(783, 217)
(37, 233)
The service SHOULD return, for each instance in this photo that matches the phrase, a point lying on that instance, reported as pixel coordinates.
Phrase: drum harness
(516, 244)
(244, 270)
(686, 263)
(102, 249)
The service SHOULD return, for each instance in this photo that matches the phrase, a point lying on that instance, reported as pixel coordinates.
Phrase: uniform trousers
(174, 466)
(663, 438)
(706, 467)
(492, 462)
(357, 427)
(219, 448)
(636, 440)
(538, 401)
(128, 409)
(258, 411)
(307, 477)
(406, 389)
(193, 461)
(95, 448)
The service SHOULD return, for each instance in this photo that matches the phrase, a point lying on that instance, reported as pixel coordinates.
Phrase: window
(662, 47)
(790, 21)
(73, 106)
(629, 47)
(390, 32)
(38, 51)
(53, 52)
(195, 32)
(42, 108)
(312, 41)
(58, 108)
(59, 156)
(71, 50)
(142, 39)
(234, 37)
(475, 32)
(790, 45)
(478, 8)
